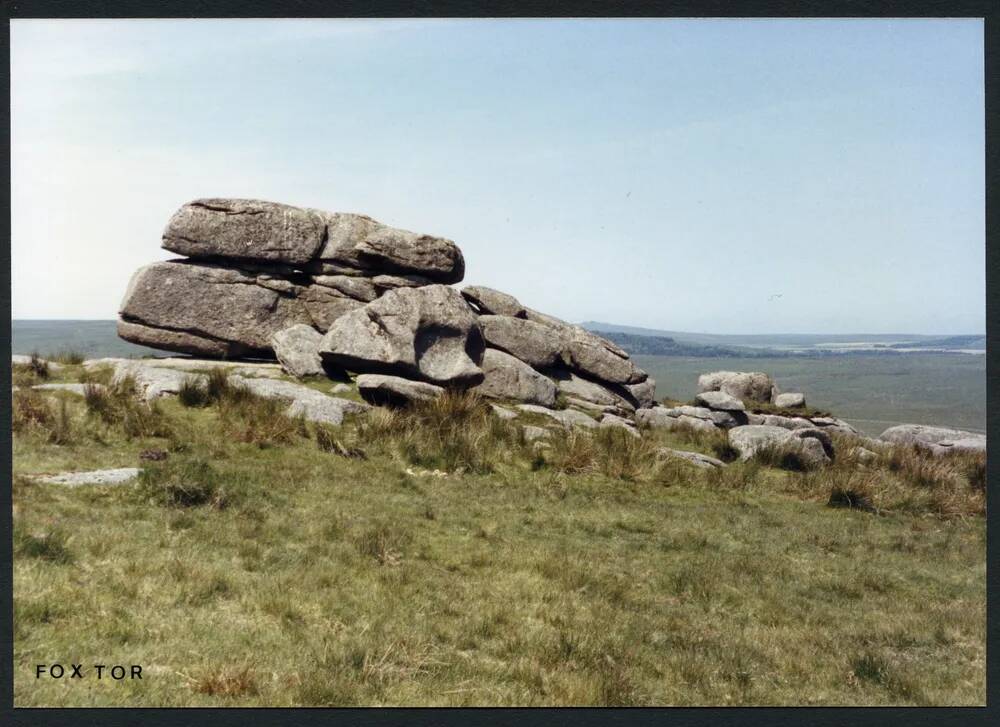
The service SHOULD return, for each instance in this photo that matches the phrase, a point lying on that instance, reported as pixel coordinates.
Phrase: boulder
(531, 342)
(593, 358)
(644, 393)
(746, 386)
(427, 333)
(575, 386)
(505, 377)
(245, 228)
(493, 302)
(395, 391)
(750, 439)
(720, 401)
(205, 310)
(938, 440)
(789, 401)
(567, 417)
(297, 348)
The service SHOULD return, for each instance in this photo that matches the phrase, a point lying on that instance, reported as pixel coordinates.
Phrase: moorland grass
(334, 566)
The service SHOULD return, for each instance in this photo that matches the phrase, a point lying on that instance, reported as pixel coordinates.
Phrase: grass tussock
(902, 479)
(183, 482)
(50, 546)
(34, 372)
(608, 451)
(67, 356)
(32, 412)
(118, 406)
(455, 432)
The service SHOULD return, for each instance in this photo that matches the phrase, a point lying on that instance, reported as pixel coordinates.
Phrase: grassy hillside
(872, 392)
(436, 558)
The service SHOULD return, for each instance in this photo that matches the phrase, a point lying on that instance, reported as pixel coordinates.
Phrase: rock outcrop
(334, 293)
(937, 440)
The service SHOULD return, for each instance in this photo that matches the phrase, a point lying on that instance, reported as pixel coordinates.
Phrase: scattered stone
(790, 401)
(340, 388)
(117, 476)
(720, 400)
(394, 391)
(864, 455)
(505, 377)
(153, 455)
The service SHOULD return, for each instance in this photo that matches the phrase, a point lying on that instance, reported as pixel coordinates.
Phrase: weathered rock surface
(696, 458)
(506, 377)
(535, 344)
(493, 302)
(152, 381)
(774, 420)
(790, 400)
(750, 439)
(644, 393)
(722, 419)
(533, 433)
(297, 348)
(503, 412)
(746, 386)
(427, 333)
(245, 228)
(567, 417)
(395, 391)
(80, 389)
(575, 386)
(313, 405)
(117, 476)
(938, 440)
(617, 422)
(660, 417)
(720, 401)
(205, 310)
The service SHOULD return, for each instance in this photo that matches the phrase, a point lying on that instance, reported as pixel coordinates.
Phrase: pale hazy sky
(674, 174)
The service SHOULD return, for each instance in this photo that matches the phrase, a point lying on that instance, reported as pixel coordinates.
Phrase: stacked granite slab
(254, 268)
(340, 293)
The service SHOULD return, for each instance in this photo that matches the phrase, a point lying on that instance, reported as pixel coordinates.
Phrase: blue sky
(677, 174)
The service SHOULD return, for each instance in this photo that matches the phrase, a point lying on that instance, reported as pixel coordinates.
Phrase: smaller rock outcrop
(394, 391)
(937, 440)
